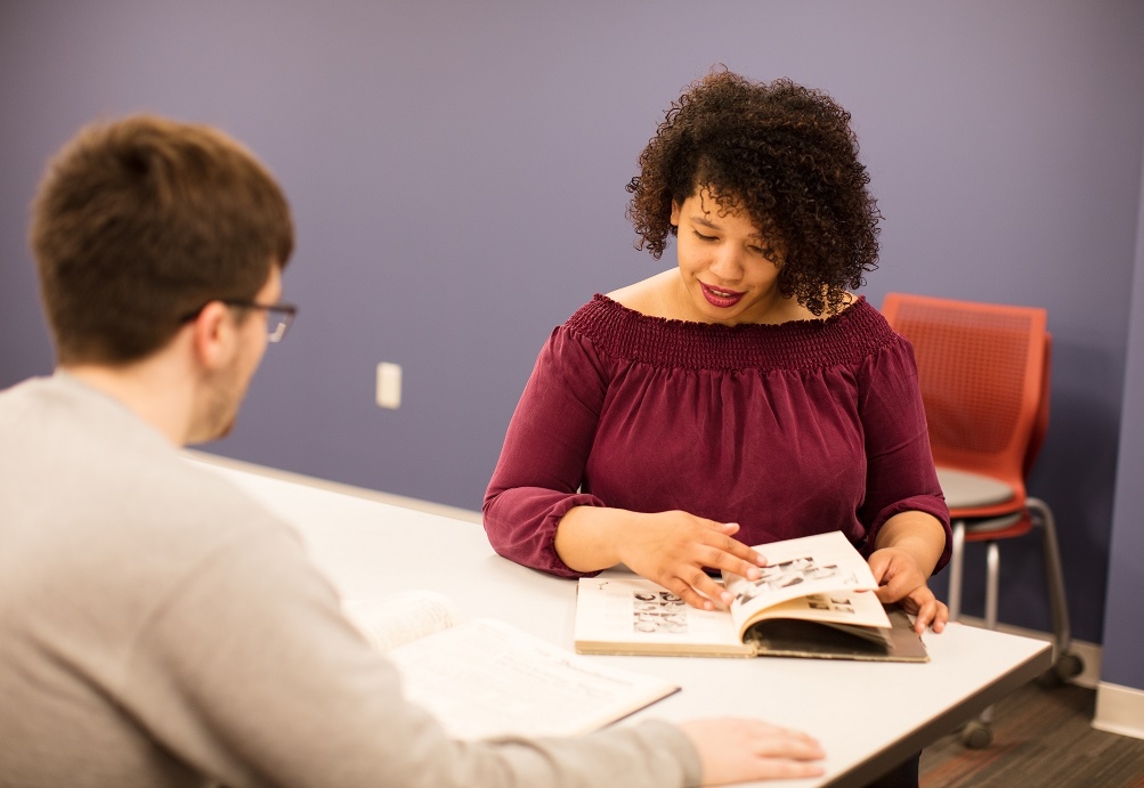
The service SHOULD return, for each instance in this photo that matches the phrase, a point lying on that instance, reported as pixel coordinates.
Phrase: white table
(868, 716)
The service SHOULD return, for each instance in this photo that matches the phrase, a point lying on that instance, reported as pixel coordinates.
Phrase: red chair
(984, 376)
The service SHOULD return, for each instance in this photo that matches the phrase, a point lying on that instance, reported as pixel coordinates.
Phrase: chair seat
(988, 529)
(967, 490)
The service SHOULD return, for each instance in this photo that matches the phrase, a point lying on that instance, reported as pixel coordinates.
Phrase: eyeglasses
(278, 316)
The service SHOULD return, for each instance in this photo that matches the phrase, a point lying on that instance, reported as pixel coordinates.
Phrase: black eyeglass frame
(284, 313)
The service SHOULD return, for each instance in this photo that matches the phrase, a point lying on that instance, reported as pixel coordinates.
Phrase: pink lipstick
(719, 297)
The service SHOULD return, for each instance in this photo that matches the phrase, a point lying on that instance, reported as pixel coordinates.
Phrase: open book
(483, 678)
(814, 599)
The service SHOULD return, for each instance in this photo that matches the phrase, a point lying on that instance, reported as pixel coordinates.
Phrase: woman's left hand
(902, 580)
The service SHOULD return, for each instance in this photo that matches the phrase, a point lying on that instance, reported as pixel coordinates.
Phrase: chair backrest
(1041, 422)
(983, 371)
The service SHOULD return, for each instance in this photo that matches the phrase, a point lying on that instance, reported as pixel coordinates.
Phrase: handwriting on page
(482, 679)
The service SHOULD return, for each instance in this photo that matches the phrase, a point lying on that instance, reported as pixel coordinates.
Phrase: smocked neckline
(624, 333)
(674, 320)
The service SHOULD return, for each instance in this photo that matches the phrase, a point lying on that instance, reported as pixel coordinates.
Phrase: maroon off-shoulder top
(788, 430)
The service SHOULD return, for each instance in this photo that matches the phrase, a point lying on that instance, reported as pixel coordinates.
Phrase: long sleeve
(546, 448)
(275, 687)
(900, 473)
(157, 627)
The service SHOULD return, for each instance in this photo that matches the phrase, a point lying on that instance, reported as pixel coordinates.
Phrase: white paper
(824, 565)
(401, 618)
(485, 679)
(634, 610)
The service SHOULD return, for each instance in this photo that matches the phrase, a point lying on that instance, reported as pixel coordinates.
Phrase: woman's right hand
(672, 549)
(669, 548)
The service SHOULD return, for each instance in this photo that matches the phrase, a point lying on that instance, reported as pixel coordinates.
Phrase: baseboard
(1119, 710)
(1089, 653)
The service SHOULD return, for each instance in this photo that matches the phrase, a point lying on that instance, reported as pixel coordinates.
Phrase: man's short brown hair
(139, 222)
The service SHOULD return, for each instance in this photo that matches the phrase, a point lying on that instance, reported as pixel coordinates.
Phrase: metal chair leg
(1054, 573)
(956, 566)
(978, 733)
(1066, 665)
(992, 582)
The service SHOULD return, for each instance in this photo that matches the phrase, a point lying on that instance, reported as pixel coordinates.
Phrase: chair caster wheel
(1067, 666)
(976, 735)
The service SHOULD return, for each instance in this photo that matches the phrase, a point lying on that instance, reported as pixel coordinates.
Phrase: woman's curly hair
(782, 154)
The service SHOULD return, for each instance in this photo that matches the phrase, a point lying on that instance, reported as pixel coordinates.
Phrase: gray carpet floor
(1042, 737)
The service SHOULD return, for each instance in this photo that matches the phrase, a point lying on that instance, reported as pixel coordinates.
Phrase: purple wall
(457, 173)
(1123, 639)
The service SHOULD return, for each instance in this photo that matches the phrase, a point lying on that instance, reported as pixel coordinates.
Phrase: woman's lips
(719, 297)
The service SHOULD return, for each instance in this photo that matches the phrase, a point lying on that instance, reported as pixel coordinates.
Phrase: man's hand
(739, 750)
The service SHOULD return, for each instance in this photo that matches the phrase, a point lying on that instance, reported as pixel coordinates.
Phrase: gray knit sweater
(159, 628)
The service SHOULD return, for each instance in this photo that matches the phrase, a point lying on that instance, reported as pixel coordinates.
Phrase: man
(157, 627)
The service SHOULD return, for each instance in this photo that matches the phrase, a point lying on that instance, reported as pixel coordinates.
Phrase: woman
(744, 396)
